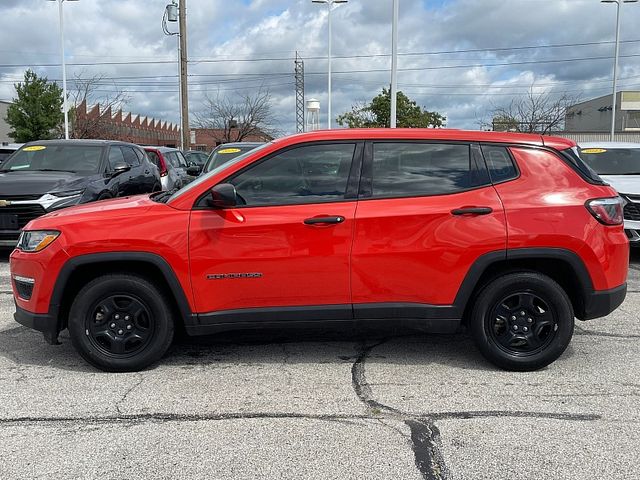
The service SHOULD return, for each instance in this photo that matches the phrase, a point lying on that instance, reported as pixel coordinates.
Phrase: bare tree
(234, 120)
(87, 90)
(535, 112)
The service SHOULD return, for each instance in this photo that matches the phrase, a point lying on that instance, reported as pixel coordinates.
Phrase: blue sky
(459, 57)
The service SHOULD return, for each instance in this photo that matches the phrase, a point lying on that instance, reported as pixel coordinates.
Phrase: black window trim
(507, 147)
(366, 183)
(353, 180)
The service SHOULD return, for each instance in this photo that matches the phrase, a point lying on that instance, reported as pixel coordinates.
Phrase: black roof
(79, 141)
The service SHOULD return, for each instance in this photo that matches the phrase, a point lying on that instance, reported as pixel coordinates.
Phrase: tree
(535, 112)
(234, 120)
(378, 114)
(36, 112)
(86, 91)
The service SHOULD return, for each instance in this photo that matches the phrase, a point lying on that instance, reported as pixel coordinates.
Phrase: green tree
(378, 114)
(36, 112)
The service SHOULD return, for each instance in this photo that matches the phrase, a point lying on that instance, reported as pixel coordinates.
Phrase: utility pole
(394, 63)
(184, 90)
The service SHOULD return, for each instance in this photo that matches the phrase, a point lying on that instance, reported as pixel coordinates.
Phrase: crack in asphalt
(131, 389)
(425, 439)
(592, 333)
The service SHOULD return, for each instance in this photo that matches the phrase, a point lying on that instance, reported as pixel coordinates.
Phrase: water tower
(313, 114)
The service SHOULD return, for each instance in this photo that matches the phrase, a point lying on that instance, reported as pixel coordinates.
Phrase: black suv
(47, 175)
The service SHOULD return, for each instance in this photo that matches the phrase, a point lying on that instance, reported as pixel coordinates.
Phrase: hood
(38, 183)
(110, 207)
(624, 183)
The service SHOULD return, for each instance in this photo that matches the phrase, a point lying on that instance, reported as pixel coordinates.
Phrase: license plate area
(8, 222)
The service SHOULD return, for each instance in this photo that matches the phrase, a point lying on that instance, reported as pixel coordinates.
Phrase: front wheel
(120, 323)
(522, 321)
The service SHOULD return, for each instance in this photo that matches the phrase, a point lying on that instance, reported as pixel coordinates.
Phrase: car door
(137, 179)
(118, 185)
(427, 211)
(283, 253)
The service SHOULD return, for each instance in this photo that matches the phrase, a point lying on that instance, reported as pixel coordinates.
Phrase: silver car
(618, 163)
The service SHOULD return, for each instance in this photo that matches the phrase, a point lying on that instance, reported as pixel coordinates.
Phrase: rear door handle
(323, 220)
(472, 211)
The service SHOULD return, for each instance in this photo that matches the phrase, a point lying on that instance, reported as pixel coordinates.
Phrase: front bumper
(632, 229)
(42, 322)
(602, 302)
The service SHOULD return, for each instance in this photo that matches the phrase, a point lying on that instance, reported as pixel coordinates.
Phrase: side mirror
(223, 195)
(194, 170)
(120, 167)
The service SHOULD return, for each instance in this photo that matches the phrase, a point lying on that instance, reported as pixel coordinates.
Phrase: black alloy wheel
(522, 321)
(119, 325)
(121, 322)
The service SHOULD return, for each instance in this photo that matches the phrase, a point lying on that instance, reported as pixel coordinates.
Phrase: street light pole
(394, 63)
(64, 69)
(615, 62)
(330, 7)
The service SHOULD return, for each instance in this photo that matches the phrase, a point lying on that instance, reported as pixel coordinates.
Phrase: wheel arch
(77, 271)
(563, 266)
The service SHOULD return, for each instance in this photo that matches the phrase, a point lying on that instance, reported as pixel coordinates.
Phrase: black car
(226, 152)
(47, 175)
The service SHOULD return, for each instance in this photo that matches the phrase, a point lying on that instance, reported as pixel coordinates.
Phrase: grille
(632, 211)
(25, 213)
(15, 198)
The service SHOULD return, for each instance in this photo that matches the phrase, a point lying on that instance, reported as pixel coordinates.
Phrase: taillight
(608, 211)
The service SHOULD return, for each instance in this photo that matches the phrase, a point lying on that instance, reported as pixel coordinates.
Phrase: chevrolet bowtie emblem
(4, 203)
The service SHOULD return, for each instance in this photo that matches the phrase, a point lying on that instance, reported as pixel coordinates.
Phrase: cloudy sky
(458, 57)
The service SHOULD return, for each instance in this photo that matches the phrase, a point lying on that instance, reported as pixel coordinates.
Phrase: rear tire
(121, 323)
(522, 321)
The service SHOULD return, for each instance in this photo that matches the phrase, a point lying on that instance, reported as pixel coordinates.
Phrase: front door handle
(323, 220)
(472, 211)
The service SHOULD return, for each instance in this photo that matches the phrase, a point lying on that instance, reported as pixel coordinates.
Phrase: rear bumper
(42, 322)
(602, 302)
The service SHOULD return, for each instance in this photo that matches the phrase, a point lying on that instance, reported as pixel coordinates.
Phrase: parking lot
(323, 404)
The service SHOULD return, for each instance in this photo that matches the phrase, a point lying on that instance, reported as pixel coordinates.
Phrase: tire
(104, 196)
(531, 341)
(121, 323)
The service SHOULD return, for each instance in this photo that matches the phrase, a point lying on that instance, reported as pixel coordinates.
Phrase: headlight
(36, 240)
(55, 200)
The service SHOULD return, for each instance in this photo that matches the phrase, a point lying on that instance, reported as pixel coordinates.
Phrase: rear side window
(130, 156)
(499, 163)
(115, 157)
(419, 169)
(155, 159)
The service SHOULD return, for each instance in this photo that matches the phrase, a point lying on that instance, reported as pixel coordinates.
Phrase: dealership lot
(323, 404)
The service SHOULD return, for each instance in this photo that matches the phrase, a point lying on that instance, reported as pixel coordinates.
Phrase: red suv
(511, 235)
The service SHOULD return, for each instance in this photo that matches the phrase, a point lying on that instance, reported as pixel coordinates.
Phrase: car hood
(110, 207)
(624, 183)
(38, 183)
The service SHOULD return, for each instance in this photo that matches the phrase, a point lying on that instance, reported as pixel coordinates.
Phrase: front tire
(121, 323)
(522, 321)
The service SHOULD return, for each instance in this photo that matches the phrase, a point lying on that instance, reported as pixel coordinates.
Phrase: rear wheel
(522, 321)
(120, 323)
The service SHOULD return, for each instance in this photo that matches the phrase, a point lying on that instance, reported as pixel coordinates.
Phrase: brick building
(206, 139)
(95, 122)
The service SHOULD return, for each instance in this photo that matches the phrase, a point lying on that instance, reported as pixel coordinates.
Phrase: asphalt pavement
(323, 405)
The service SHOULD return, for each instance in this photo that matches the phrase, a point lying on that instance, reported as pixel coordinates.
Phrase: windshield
(612, 161)
(222, 155)
(205, 176)
(64, 158)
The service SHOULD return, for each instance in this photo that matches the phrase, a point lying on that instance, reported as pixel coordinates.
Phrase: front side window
(420, 169)
(115, 157)
(307, 174)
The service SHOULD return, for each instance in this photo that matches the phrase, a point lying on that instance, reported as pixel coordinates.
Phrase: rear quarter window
(499, 163)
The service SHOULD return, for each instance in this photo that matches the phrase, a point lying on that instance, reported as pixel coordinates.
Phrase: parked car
(196, 157)
(45, 176)
(6, 149)
(173, 167)
(509, 234)
(618, 163)
(226, 152)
